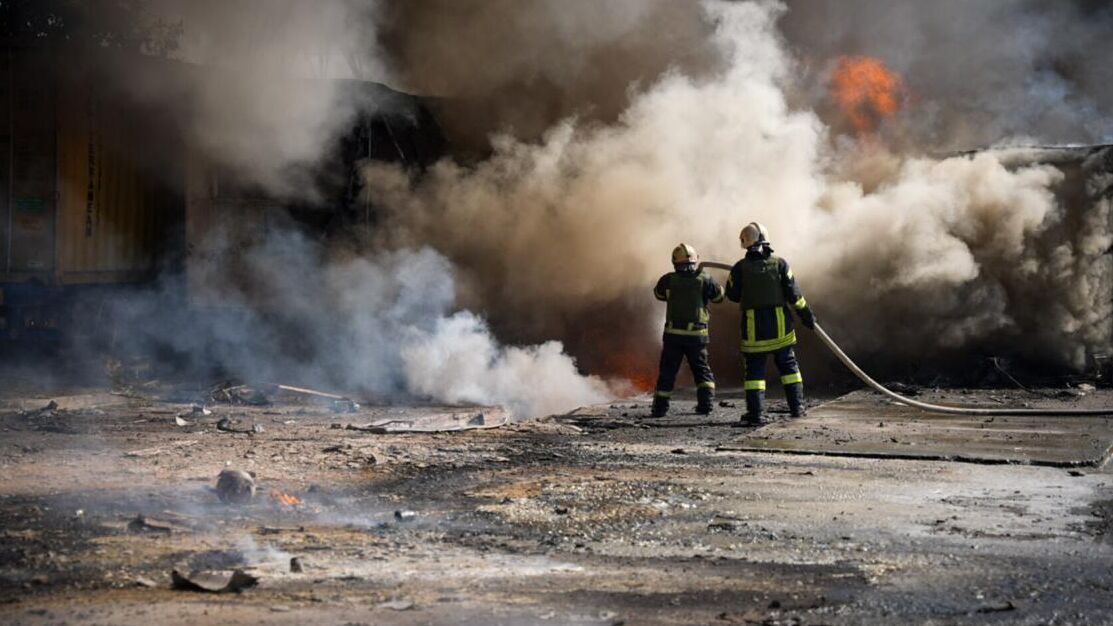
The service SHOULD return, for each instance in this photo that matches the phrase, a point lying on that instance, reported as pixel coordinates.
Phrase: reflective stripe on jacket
(766, 290)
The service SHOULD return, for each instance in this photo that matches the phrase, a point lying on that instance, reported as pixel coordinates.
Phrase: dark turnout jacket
(688, 292)
(764, 286)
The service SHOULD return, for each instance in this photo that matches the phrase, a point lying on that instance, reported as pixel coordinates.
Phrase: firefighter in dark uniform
(687, 291)
(766, 289)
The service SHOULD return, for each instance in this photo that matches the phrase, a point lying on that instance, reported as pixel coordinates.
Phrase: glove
(807, 317)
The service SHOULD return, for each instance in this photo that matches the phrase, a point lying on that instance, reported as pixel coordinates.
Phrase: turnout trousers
(793, 382)
(673, 352)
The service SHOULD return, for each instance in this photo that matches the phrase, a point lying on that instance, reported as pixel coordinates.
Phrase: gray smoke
(258, 85)
(617, 130)
(384, 328)
(259, 90)
(907, 255)
(519, 66)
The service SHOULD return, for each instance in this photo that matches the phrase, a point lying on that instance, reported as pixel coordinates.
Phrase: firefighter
(687, 291)
(767, 291)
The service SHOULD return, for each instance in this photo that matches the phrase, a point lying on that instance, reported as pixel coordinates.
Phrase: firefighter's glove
(807, 317)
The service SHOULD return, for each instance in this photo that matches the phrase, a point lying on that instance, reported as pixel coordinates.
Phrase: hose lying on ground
(924, 406)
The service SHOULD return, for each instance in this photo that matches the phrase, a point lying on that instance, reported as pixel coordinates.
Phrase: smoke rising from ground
(909, 256)
(382, 329)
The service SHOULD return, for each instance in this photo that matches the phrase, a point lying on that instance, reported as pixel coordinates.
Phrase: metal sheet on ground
(862, 425)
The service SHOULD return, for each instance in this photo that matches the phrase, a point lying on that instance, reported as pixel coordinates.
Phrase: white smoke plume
(910, 256)
(382, 329)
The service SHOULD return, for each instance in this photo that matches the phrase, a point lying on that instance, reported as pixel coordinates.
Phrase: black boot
(755, 408)
(705, 400)
(794, 393)
(660, 407)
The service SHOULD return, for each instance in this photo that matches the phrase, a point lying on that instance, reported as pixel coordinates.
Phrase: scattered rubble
(144, 524)
(489, 417)
(230, 425)
(149, 452)
(214, 582)
(235, 486)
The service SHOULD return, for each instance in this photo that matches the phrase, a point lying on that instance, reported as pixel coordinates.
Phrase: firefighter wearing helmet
(764, 286)
(687, 291)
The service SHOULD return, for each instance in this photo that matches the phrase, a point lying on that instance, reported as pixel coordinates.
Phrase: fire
(867, 91)
(641, 372)
(284, 499)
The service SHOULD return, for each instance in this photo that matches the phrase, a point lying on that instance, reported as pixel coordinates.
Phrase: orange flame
(640, 372)
(284, 499)
(867, 91)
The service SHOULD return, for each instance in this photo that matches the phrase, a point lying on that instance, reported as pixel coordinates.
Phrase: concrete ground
(603, 517)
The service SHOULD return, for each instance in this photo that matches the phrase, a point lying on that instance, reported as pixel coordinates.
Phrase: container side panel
(115, 205)
(32, 192)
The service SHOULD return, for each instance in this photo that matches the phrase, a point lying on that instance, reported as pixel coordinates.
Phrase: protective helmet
(753, 234)
(684, 254)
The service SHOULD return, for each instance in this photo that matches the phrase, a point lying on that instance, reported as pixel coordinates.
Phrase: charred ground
(600, 517)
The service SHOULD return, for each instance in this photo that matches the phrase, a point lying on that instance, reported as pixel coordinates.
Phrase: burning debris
(284, 499)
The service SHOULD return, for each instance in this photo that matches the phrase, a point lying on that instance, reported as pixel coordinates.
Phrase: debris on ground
(404, 515)
(144, 524)
(196, 412)
(235, 486)
(488, 417)
(45, 411)
(230, 425)
(214, 582)
(232, 393)
(148, 452)
(903, 389)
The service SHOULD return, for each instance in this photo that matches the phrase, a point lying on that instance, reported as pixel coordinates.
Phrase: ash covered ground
(604, 516)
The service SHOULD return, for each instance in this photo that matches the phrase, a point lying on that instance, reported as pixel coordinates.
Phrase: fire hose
(925, 406)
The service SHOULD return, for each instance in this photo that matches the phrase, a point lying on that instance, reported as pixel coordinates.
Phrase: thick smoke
(520, 65)
(909, 256)
(261, 89)
(383, 329)
(617, 130)
(259, 94)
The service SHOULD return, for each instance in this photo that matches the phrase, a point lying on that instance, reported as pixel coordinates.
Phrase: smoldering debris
(235, 486)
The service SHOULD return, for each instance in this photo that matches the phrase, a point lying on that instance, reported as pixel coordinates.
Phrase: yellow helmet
(684, 254)
(753, 234)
